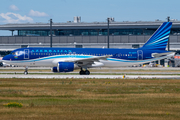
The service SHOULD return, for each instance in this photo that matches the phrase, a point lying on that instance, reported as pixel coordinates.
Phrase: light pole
(12, 32)
(168, 19)
(108, 33)
(51, 33)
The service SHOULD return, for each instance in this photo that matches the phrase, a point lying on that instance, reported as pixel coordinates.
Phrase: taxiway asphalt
(166, 73)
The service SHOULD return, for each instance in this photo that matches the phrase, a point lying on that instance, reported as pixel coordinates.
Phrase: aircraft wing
(97, 58)
(89, 61)
(85, 61)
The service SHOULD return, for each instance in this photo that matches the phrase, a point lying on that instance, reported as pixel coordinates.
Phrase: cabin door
(26, 53)
(139, 55)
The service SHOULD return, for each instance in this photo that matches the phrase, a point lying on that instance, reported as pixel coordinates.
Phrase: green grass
(90, 98)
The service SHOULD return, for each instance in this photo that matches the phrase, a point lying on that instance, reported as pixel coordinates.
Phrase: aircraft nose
(7, 57)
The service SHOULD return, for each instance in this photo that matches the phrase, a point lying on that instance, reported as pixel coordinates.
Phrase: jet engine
(54, 69)
(64, 67)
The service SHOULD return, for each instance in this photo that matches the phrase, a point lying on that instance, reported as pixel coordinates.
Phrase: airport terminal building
(86, 35)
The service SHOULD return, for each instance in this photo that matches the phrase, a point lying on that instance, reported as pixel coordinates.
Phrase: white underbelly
(45, 63)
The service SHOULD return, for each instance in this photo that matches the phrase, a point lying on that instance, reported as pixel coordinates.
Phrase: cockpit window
(21, 52)
(18, 53)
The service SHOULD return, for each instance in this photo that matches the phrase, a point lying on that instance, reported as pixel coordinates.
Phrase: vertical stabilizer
(159, 39)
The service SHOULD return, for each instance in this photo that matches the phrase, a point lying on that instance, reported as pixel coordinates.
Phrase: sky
(35, 11)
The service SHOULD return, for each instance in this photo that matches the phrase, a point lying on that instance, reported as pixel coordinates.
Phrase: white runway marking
(91, 76)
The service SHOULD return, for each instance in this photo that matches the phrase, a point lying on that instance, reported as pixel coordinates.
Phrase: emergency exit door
(139, 55)
(26, 53)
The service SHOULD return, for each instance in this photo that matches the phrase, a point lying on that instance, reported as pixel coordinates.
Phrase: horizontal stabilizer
(162, 54)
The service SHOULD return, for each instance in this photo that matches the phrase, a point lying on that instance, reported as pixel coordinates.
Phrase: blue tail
(159, 39)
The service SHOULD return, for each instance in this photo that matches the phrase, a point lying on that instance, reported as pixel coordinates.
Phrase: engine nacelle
(64, 67)
(54, 69)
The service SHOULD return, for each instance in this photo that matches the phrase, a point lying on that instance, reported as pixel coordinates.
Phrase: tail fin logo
(159, 39)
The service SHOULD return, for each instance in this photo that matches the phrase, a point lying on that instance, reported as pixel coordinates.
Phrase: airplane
(69, 59)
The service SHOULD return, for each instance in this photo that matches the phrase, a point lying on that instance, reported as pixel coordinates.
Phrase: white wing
(84, 61)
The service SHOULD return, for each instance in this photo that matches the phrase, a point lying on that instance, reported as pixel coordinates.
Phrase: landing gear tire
(87, 72)
(82, 72)
(25, 72)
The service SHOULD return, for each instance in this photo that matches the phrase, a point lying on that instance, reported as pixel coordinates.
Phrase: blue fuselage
(120, 57)
(126, 54)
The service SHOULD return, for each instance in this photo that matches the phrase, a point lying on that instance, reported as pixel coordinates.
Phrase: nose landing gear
(26, 71)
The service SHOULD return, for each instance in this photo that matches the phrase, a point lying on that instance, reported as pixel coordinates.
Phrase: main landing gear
(26, 71)
(84, 72)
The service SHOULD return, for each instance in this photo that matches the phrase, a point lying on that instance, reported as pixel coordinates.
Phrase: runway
(91, 76)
